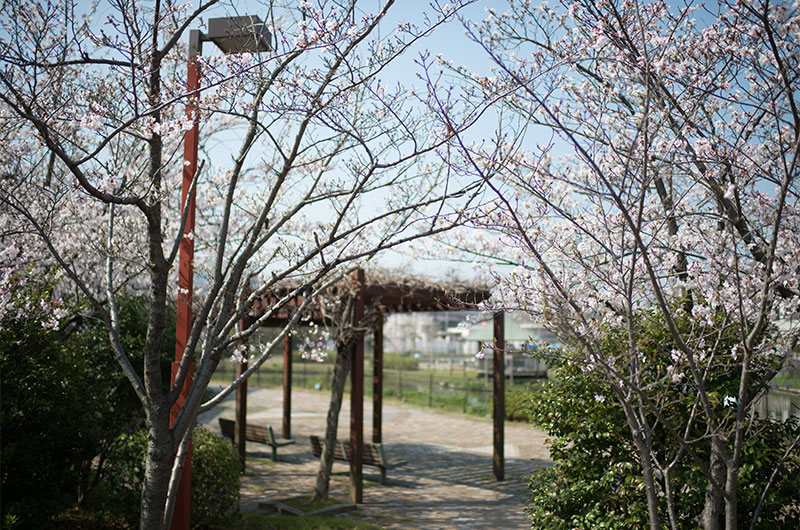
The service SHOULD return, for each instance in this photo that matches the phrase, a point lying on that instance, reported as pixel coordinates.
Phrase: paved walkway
(445, 482)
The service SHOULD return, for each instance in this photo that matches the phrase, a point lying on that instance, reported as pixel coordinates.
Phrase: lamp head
(239, 34)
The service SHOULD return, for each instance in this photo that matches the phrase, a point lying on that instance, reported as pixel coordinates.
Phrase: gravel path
(444, 479)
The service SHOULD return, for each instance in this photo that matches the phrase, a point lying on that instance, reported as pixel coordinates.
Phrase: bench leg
(383, 476)
(274, 454)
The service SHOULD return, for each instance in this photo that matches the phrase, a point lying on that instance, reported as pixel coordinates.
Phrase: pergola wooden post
(377, 382)
(287, 386)
(241, 414)
(357, 399)
(499, 393)
(239, 439)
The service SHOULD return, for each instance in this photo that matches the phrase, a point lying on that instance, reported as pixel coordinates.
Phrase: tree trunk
(671, 513)
(643, 443)
(340, 369)
(731, 499)
(90, 477)
(158, 468)
(709, 519)
(644, 449)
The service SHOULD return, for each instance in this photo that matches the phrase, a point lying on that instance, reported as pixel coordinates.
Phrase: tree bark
(341, 367)
(158, 468)
(643, 445)
(178, 466)
(90, 477)
(649, 483)
(673, 516)
(731, 497)
(709, 519)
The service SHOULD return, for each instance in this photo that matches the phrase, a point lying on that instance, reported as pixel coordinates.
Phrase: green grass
(787, 378)
(83, 520)
(459, 392)
(254, 521)
(304, 503)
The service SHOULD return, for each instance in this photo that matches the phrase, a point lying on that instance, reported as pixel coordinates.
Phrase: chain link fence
(455, 389)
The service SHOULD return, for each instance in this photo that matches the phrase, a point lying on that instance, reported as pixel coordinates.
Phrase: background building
(444, 339)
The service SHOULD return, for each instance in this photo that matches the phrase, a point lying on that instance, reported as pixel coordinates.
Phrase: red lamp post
(231, 35)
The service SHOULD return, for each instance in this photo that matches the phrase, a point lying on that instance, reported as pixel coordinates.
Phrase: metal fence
(462, 390)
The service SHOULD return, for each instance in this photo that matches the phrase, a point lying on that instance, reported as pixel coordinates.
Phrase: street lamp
(239, 34)
(232, 35)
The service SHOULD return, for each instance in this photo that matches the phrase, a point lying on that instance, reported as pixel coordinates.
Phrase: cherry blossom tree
(310, 162)
(343, 326)
(645, 169)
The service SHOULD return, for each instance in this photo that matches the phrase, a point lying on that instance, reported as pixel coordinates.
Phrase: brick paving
(443, 480)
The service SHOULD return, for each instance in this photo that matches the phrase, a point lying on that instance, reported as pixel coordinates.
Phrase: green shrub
(10, 522)
(46, 375)
(215, 478)
(125, 476)
(518, 405)
(399, 361)
(596, 480)
(47, 416)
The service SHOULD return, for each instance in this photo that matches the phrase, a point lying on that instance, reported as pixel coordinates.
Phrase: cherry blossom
(646, 169)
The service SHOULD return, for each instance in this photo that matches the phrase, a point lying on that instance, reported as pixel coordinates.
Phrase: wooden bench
(373, 453)
(255, 433)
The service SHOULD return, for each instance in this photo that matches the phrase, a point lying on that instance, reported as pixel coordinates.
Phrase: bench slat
(372, 455)
(255, 433)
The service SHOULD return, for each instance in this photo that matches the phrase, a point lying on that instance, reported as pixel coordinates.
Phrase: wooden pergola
(385, 298)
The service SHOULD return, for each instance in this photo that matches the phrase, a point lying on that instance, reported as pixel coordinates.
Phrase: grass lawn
(304, 503)
(254, 521)
(75, 520)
